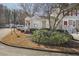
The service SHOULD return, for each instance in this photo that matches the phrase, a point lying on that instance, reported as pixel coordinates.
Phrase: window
(70, 22)
(65, 22)
(73, 23)
(43, 24)
(35, 25)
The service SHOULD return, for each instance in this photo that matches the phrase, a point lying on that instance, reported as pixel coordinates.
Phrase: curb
(40, 49)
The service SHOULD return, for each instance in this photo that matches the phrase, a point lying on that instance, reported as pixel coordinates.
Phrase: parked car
(12, 25)
(21, 28)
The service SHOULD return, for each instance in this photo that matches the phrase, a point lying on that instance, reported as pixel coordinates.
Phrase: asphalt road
(12, 51)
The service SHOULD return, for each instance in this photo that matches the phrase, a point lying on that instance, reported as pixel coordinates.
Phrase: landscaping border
(40, 49)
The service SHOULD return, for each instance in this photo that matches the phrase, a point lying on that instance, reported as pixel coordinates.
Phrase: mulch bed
(24, 41)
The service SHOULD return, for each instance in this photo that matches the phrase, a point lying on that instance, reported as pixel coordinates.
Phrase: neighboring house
(37, 22)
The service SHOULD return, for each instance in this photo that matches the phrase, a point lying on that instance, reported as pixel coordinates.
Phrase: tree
(4, 15)
(1, 15)
(20, 17)
(47, 9)
(14, 17)
(7, 15)
(66, 8)
(29, 9)
(58, 9)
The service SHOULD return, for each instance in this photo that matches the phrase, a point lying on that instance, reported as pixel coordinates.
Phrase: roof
(71, 18)
(36, 17)
(28, 18)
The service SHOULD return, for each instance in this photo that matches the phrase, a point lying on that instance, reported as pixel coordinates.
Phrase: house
(69, 22)
(36, 22)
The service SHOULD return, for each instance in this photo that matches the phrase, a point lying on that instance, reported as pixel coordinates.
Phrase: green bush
(62, 31)
(31, 30)
(40, 36)
(60, 38)
(49, 37)
(45, 29)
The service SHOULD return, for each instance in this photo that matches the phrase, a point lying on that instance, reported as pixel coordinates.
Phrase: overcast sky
(12, 5)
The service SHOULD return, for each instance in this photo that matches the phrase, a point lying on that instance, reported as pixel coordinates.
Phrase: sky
(12, 5)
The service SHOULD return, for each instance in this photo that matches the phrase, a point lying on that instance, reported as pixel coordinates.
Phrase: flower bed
(24, 41)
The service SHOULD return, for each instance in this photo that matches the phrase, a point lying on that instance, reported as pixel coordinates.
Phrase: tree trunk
(29, 27)
(49, 22)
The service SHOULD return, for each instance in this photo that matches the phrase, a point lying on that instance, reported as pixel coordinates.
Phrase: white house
(37, 22)
(70, 23)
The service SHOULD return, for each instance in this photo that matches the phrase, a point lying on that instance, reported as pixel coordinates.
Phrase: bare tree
(29, 8)
(1, 14)
(63, 8)
(47, 10)
(58, 9)
(4, 15)
(7, 15)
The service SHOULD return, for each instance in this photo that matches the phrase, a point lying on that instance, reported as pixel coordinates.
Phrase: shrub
(60, 38)
(40, 36)
(31, 30)
(34, 29)
(51, 38)
(45, 29)
(62, 31)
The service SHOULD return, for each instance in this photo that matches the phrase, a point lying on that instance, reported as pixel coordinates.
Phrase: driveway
(75, 36)
(4, 32)
(12, 51)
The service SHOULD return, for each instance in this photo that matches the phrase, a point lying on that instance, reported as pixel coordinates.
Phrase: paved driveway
(76, 36)
(4, 32)
(12, 51)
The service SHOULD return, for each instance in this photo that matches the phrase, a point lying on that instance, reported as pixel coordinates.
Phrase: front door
(43, 24)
